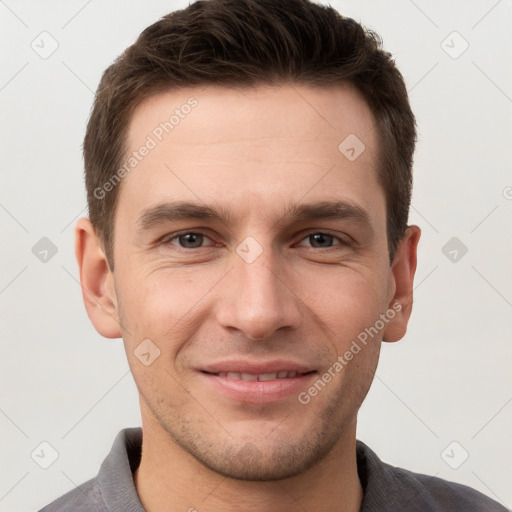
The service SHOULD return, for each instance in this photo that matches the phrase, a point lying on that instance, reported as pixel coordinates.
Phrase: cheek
(164, 306)
(345, 300)
(157, 313)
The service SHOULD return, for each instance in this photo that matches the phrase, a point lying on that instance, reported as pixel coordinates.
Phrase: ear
(97, 280)
(401, 285)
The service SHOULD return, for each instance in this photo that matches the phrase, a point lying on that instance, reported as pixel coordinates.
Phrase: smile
(256, 384)
(259, 377)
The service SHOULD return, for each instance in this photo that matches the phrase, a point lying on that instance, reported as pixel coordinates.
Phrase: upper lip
(256, 368)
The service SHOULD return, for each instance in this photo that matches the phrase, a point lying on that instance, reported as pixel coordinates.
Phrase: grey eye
(190, 240)
(320, 240)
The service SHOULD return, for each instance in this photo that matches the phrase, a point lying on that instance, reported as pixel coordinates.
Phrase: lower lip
(257, 392)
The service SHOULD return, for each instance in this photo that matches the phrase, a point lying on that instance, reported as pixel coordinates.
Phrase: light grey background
(448, 380)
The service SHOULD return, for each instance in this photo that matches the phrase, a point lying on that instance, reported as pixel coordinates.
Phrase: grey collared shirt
(386, 488)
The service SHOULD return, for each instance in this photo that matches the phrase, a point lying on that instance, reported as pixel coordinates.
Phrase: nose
(258, 298)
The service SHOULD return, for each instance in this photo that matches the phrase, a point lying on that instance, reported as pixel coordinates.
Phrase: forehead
(216, 114)
(253, 147)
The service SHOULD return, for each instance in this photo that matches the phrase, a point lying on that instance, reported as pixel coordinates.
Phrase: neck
(169, 479)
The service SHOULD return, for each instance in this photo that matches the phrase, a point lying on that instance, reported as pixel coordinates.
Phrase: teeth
(267, 376)
(260, 377)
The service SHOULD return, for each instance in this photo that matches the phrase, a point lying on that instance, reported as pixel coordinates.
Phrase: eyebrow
(185, 210)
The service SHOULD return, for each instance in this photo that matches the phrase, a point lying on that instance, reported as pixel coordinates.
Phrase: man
(248, 169)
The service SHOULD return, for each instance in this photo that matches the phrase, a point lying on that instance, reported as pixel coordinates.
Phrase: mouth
(257, 384)
(260, 377)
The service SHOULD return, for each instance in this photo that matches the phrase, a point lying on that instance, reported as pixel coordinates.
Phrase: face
(251, 252)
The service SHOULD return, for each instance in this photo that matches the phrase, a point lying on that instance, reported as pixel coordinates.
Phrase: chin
(277, 457)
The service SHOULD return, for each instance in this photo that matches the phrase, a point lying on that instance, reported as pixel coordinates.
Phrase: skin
(258, 152)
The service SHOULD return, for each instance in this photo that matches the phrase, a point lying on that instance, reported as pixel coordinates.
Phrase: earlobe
(402, 276)
(96, 280)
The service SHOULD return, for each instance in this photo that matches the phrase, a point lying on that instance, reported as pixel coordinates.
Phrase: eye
(188, 240)
(321, 240)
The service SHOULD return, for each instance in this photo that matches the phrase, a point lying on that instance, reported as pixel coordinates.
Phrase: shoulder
(389, 488)
(113, 487)
(84, 498)
(437, 494)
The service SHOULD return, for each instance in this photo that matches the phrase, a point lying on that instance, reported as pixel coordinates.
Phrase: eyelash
(174, 236)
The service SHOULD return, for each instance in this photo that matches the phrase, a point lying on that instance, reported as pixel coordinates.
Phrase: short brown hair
(242, 43)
